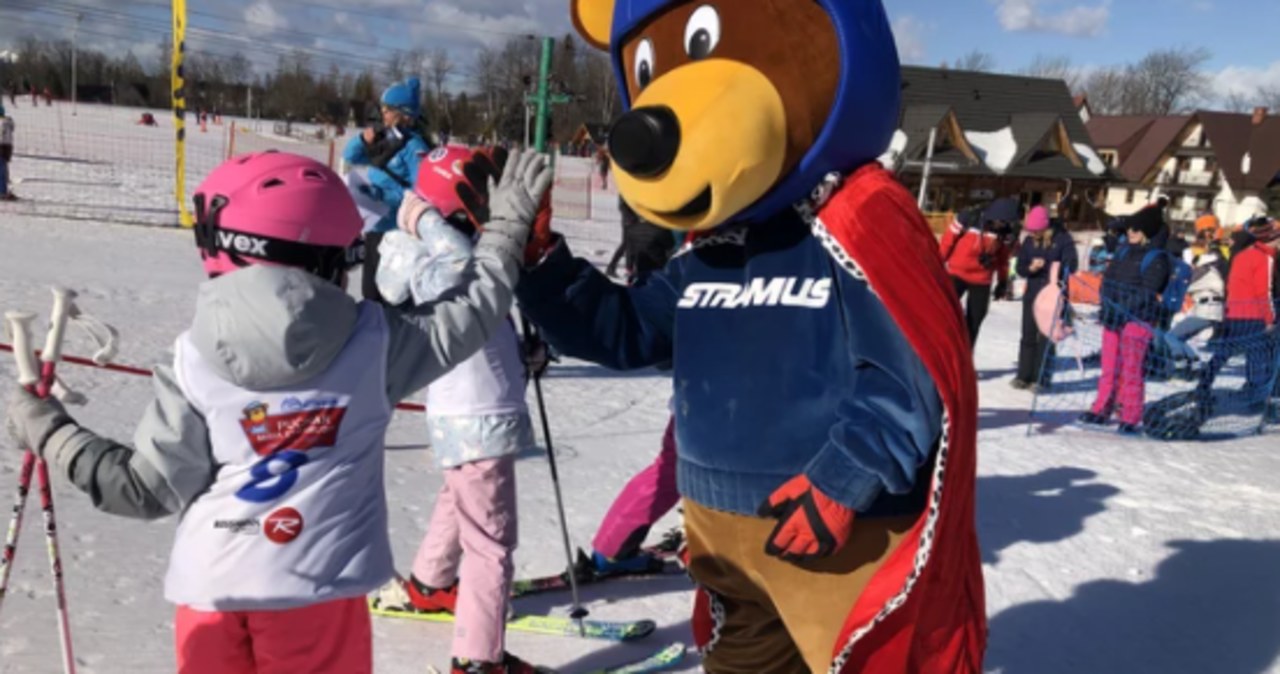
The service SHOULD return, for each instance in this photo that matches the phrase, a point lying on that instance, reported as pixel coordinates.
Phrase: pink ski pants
(470, 539)
(1122, 384)
(646, 498)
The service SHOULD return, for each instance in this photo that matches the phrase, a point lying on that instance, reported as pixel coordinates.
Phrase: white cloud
(263, 19)
(910, 35)
(1033, 16)
(1245, 81)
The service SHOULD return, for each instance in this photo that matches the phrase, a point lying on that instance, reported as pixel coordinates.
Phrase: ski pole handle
(62, 299)
(19, 326)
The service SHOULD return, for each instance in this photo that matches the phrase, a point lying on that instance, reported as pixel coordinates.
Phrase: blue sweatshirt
(787, 365)
(390, 181)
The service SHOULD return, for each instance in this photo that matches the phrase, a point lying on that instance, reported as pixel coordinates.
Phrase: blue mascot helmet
(862, 119)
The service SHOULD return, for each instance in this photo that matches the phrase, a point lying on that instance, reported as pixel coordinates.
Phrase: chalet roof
(985, 104)
(1264, 154)
(1139, 140)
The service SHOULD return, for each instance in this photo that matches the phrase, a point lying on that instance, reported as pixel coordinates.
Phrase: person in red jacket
(975, 248)
(1253, 302)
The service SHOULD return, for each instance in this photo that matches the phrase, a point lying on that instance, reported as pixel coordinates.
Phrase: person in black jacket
(1048, 255)
(645, 246)
(1131, 290)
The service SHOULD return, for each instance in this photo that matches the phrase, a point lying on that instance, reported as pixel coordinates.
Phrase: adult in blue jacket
(392, 154)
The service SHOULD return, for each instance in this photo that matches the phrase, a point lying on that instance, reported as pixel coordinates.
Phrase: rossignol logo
(783, 291)
(248, 525)
(242, 243)
(283, 525)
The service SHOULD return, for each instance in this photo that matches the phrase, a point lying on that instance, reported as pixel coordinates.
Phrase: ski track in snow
(1102, 555)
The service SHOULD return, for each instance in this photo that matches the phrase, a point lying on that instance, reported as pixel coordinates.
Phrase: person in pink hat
(1047, 256)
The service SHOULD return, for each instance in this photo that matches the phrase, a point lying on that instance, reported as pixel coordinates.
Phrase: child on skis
(266, 433)
(1130, 307)
(477, 421)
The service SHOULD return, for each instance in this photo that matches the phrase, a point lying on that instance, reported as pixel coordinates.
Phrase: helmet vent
(312, 174)
(274, 182)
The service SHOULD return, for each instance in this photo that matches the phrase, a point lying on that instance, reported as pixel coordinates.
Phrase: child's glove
(810, 524)
(514, 203)
(412, 208)
(33, 420)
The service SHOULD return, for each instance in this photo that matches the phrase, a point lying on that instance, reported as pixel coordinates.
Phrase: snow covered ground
(1102, 555)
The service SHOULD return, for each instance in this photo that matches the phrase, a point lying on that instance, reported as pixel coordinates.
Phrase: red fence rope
(140, 372)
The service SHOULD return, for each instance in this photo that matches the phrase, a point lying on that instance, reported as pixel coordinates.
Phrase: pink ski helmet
(276, 208)
(439, 175)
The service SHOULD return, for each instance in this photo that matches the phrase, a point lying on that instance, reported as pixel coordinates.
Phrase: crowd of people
(1153, 283)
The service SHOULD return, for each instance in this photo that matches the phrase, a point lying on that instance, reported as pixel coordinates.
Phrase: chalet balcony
(1189, 179)
(1195, 178)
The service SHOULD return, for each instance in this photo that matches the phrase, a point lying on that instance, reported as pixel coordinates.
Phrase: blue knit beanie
(405, 97)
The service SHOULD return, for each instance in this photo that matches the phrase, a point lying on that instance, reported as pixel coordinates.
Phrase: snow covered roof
(1013, 125)
(997, 148)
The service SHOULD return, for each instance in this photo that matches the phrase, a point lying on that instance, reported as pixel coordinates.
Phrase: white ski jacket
(266, 435)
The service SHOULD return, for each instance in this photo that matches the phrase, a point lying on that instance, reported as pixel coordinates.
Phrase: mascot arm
(890, 417)
(585, 315)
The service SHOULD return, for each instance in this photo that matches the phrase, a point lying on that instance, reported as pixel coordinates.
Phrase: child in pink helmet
(266, 433)
(477, 421)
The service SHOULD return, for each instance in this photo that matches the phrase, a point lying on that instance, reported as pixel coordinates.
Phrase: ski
(659, 661)
(392, 602)
(666, 658)
(664, 564)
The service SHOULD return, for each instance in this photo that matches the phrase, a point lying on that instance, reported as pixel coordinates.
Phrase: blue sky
(1092, 34)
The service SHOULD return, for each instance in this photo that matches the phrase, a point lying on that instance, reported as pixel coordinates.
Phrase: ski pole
(577, 611)
(18, 325)
(63, 299)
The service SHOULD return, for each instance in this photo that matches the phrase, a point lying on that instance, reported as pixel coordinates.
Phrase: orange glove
(541, 238)
(810, 524)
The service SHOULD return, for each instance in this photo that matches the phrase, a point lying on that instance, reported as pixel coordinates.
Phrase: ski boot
(429, 599)
(1093, 419)
(1129, 430)
(510, 665)
(596, 565)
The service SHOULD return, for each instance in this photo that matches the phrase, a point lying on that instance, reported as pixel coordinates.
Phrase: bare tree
(1166, 81)
(976, 61)
(1106, 90)
(1055, 68)
(1269, 97)
(1238, 102)
(439, 68)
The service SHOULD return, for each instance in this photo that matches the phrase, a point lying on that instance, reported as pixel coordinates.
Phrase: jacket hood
(862, 119)
(264, 327)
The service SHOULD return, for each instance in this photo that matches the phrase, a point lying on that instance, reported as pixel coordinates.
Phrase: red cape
(924, 611)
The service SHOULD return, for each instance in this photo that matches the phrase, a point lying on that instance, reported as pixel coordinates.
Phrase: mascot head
(738, 108)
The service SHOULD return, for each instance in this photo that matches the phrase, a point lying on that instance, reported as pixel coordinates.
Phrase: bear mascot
(824, 394)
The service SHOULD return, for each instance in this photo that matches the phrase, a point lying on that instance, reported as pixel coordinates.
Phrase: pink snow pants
(470, 539)
(646, 498)
(1122, 384)
(329, 638)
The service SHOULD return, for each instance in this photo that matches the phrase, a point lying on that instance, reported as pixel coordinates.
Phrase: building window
(1128, 196)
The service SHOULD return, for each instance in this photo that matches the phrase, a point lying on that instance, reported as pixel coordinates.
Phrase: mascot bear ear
(594, 21)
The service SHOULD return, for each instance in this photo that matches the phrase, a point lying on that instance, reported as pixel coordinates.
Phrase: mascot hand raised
(810, 524)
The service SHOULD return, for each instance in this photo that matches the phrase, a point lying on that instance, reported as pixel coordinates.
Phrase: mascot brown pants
(779, 617)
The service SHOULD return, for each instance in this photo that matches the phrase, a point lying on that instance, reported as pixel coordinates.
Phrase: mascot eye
(702, 34)
(644, 63)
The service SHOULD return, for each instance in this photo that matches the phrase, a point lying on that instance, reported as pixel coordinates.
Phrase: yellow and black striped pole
(179, 96)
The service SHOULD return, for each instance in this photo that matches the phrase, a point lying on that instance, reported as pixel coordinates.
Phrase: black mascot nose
(645, 141)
